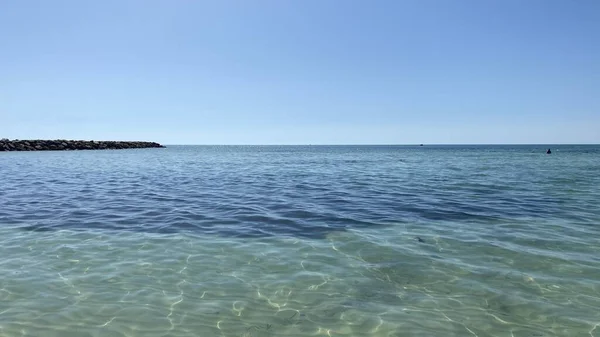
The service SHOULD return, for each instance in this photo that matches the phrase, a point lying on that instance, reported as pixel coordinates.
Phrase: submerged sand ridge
(63, 145)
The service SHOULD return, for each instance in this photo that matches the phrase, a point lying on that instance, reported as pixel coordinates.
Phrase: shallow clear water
(301, 241)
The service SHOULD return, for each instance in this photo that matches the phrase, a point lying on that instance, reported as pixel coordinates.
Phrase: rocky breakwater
(63, 145)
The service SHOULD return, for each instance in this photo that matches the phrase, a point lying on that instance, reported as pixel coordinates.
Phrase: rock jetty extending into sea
(64, 145)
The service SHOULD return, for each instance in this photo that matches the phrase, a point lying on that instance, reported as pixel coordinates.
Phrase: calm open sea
(301, 241)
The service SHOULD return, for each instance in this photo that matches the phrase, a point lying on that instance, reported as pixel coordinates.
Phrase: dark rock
(61, 144)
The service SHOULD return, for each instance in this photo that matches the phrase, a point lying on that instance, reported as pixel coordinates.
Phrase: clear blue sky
(301, 72)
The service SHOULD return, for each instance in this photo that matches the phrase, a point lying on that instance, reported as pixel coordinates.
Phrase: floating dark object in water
(420, 240)
(421, 145)
(548, 152)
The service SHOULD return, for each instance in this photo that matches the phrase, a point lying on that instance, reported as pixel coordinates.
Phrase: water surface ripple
(301, 241)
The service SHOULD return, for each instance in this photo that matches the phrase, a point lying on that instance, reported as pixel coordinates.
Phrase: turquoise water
(301, 241)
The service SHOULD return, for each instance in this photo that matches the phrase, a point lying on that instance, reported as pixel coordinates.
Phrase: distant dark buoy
(548, 152)
(420, 240)
(421, 145)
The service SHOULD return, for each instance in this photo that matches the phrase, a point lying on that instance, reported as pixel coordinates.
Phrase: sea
(241, 241)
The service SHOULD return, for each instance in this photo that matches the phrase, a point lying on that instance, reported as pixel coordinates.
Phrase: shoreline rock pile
(65, 145)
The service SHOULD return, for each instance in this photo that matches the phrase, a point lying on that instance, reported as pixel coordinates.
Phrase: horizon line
(382, 144)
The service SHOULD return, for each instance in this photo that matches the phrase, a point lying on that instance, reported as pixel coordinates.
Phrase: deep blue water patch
(302, 191)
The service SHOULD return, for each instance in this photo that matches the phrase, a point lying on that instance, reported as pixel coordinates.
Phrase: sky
(301, 72)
